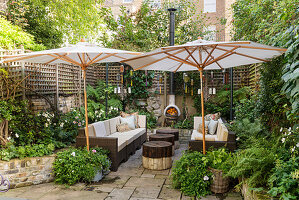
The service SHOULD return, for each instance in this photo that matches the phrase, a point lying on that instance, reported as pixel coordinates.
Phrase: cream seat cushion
(196, 135)
(121, 140)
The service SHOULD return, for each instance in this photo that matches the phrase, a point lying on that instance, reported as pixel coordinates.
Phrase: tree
(147, 28)
(12, 36)
(57, 21)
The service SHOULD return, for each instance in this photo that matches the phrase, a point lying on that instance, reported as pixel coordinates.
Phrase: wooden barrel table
(157, 155)
(163, 137)
(174, 132)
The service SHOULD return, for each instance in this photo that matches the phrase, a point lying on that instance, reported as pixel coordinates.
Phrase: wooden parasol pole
(85, 104)
(202, 114)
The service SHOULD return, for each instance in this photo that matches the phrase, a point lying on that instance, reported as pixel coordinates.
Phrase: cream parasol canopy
(82, 54)
(204, 55)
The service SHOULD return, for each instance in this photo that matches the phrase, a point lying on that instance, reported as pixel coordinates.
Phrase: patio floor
(131, 181)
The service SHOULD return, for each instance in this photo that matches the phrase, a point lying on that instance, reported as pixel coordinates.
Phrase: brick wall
(28, 171)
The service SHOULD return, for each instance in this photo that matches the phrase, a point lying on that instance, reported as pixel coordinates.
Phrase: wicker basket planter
(219, 184)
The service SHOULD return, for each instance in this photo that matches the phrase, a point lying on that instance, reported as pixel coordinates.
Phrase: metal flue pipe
(171, 41)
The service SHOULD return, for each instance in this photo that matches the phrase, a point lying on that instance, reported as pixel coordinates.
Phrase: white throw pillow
(130, 120)
(212, 127)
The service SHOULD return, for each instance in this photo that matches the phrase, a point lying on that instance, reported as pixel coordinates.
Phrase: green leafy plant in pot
(220, 163)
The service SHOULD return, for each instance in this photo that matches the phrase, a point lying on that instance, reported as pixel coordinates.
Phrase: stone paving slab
(121, 194)
(149, 192)
(169, 193)
(145, 182)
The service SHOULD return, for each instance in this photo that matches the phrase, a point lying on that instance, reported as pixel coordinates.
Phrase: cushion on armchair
(130, 120)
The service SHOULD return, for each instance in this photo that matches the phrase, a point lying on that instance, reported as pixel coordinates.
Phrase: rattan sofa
(120, 145)
(222, 138)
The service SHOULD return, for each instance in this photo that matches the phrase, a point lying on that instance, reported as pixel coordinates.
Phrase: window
(155, 3)
(209, 6)
(128, 1)
(210, 33)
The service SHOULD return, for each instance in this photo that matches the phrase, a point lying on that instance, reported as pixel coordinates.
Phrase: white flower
(9, 138)
(293, 149)
(46, 124)
(73, 154)
(237, 138)
(283, 140)
(17, 136)
(61, 125)
(289, 129)
(297, 145)
(205, 178)
(281, 129)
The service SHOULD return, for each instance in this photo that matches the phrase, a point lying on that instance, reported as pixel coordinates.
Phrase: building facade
(216, 12)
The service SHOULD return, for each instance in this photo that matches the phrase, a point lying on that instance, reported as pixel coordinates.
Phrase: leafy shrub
(221, 101)
(247, 131)
(74, 165)
(220, 159)
(246, 109)
(190, 174)
(96, 102)
(255, 164)
(21, 152)
(284, 180)
(185, 124)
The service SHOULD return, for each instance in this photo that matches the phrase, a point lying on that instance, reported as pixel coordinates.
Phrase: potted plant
(220, 163)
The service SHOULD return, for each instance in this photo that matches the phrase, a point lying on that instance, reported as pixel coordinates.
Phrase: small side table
(157, 155)
(163, 137)
(174, 132)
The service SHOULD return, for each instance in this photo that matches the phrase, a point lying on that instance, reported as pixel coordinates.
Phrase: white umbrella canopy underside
(79, 54)
(198, 52)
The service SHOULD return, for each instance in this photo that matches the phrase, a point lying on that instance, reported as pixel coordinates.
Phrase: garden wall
(28, 171)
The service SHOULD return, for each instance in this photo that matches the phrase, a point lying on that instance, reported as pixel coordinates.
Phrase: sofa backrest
(113, 123)
(91, 131)
(222, 131)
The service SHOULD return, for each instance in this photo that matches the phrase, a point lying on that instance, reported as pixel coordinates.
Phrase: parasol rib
(209, 54)
(250, 47)
(173, 57)
(227, 53)
(183, 63)
(91, 61)
(192, 56)
(157, 61)
(55, 59)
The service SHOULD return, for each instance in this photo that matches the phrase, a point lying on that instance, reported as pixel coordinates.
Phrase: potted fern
(220, 163)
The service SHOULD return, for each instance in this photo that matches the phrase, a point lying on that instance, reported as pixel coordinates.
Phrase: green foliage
(189, 172)
(96, 102)
(21, 152)
(221, 101)
(12, 36)
(247, 131)
(51, 22)
(273, 22)
(220, 159)
(141, 82)
(255, 164)
(147, 29)
(185, 124)
(75, 165)
(246, 108)
(291, 71)
(284, 180)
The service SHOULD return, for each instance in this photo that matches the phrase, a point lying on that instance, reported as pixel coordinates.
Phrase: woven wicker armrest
(231, 136)
(109, 143)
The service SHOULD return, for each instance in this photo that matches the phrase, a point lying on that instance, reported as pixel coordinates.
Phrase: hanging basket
(219, 184)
